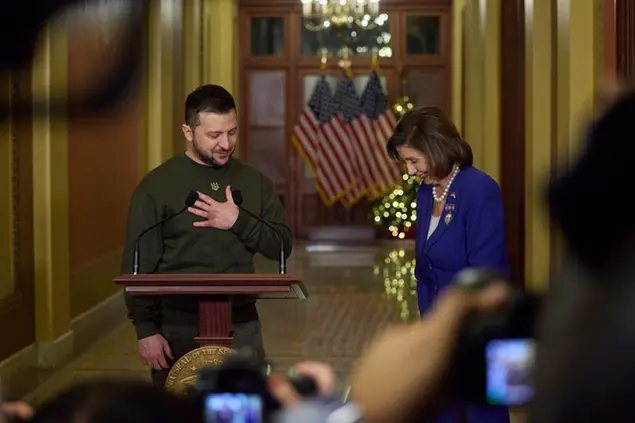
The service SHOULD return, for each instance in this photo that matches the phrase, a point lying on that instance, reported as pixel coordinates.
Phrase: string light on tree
(398, 273)
(397, 210)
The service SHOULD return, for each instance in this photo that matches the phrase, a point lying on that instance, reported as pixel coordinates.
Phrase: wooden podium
(215, 292)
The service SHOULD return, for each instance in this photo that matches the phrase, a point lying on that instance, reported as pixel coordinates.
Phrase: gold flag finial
(324, 58)
(375, 58)
(345, 62)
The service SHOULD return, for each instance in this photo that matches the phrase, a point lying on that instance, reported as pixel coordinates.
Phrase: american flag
(362, 140)
(320, 139)
(383, 122)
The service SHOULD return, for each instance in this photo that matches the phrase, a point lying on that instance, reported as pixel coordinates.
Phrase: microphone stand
(135, 254)
(282, 265)
(135, 258)
(283, 260)
(189, 202)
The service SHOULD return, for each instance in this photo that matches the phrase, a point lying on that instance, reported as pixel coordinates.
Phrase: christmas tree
(397, 211)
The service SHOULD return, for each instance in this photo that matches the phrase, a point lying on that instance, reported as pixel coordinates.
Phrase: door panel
(265, 139)
(280, 65)
(429, 87)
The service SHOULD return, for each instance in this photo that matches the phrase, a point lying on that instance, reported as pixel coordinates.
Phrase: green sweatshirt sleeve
(259, 237)
(143, 310)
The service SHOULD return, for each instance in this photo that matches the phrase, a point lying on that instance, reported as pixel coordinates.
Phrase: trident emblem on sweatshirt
(214, 186)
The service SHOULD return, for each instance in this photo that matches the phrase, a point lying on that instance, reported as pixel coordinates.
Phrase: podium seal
(186, 369)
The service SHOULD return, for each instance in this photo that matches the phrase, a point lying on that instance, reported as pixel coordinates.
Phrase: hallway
(354, 291)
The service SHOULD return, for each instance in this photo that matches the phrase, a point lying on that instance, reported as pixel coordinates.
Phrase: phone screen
(509, 371)
(233, 408)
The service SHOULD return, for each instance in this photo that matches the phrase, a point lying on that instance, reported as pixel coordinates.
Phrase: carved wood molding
(19, 307)
(17, 296)
(266, 285)
(625, 38)
(512, 130)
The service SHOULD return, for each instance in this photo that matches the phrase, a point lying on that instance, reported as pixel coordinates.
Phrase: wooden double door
(280, 67)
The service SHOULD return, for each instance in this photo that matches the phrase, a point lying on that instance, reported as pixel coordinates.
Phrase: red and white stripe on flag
(305, 137)
(335, 174)
(323, 149)
(390, 174)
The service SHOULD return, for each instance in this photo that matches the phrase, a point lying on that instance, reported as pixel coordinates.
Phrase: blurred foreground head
(25, 24)
(586, 357)
(110, 401)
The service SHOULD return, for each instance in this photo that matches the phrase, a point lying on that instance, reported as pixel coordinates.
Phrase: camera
(495, 359)
(236, 391)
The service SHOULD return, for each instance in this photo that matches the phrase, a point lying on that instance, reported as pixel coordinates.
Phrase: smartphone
(509, 371)
(233, 408)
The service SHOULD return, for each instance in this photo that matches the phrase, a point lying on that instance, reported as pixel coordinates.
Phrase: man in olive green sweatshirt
(214, 237)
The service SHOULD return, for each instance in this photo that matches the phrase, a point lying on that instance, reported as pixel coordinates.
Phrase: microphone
(238, 200)
(192, 197)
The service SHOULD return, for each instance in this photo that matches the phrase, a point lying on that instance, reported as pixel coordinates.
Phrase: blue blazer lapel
(448, 217)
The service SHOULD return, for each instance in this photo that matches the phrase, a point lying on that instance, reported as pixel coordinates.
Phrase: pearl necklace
(440, 198)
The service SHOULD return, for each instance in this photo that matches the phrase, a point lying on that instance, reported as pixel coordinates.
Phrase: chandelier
(339, 14)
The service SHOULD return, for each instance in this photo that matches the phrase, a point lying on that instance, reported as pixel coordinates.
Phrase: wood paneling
(428, 75)
(17, 312)
(104, 167)
(512, 132)
(625, 37)
(430, 86)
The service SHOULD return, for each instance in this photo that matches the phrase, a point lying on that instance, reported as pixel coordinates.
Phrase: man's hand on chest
(215, 214)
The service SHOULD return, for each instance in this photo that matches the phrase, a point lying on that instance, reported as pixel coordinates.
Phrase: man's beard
(208, 160)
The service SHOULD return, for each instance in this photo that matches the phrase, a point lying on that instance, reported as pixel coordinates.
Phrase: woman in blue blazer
(459, 220)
